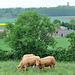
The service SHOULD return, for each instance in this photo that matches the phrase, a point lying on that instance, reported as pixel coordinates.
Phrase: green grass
(62, 68)
(4, 46)
(61, 42)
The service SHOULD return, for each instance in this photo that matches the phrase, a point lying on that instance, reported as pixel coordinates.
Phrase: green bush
(29, 34)
(1, 35)
(60, 54)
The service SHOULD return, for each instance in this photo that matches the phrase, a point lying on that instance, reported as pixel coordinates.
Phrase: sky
(34, 3)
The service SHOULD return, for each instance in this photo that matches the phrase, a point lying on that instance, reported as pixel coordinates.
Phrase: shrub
(29, 34)
(60, 54)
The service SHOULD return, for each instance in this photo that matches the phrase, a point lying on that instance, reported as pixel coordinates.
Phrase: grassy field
(62, 68)
(6, 20)
(61, 42)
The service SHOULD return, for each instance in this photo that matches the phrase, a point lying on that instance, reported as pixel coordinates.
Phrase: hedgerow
(60, 54)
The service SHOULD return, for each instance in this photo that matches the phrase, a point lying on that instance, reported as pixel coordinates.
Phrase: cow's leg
(51, 67)
(43, 67)
(54, 66)
(25, 67)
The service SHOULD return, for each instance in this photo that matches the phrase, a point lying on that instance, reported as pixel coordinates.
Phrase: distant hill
(50, 12)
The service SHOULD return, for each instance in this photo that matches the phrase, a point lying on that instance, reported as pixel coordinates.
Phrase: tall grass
(62, 68)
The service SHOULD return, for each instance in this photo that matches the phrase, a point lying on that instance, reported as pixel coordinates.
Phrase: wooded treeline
(52, 11)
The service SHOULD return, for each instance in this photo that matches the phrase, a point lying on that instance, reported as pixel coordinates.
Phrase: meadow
(65, 19)
(62, 68)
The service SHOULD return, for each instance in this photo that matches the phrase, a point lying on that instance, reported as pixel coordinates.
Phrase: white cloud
(34, 3)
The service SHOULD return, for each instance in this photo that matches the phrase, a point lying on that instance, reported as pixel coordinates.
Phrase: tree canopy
(29, 33)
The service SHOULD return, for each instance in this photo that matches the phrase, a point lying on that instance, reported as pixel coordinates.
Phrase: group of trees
(52, 11)
(70, 25)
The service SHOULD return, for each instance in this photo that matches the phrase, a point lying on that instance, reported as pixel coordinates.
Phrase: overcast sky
(34, 3)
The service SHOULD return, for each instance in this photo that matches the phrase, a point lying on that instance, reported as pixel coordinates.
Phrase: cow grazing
(30, 61)
(46, 61)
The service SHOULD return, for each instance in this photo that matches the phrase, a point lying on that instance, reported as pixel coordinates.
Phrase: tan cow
(30, 61)
(25, 56)
(46, 61)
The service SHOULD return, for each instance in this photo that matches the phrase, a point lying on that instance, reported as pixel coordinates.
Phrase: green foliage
(72, 21)
(57, 21)
(29, 34)
(61, 54)
(68, 25)
(71, 37)
(9, 26)
(1, 35)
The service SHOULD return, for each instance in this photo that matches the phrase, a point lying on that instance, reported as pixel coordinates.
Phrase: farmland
(6, 20)
(62, 68)
(61, 18)
(9, 67)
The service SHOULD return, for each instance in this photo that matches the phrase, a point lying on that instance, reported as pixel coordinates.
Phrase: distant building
(68, 4)
(62, 31)
(65, 5)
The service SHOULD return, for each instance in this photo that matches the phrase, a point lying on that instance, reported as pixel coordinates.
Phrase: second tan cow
(46, 61)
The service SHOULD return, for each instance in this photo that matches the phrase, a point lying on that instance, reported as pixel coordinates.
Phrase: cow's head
(38, 62)
(18, 68)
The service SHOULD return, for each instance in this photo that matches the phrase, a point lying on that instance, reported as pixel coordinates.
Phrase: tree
(72, 22)
(71, 37)
(57, 21)
(29, 34)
